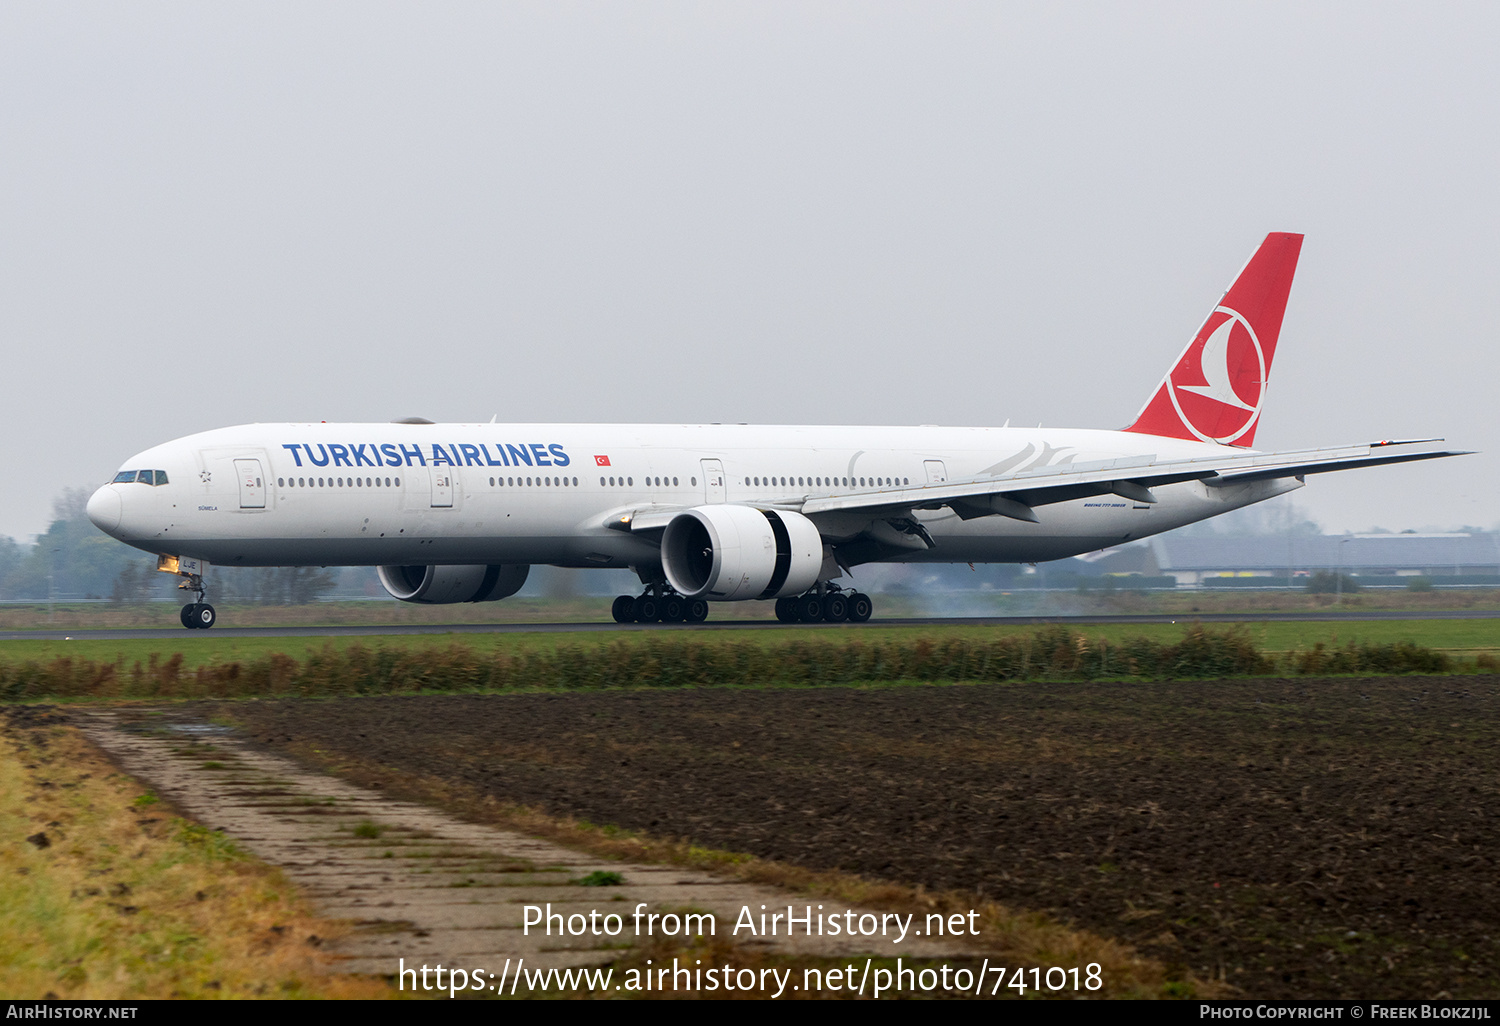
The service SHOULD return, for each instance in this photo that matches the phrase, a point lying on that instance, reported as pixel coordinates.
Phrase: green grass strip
(680, 659)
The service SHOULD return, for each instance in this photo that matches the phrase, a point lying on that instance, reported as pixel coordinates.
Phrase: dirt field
(1294, 838)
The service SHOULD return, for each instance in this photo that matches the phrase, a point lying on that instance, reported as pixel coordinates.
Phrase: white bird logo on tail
(1213, 365)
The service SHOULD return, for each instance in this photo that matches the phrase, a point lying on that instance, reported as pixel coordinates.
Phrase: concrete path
(426, 888)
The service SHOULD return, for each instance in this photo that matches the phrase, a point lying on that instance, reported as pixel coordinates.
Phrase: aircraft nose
(104, 509)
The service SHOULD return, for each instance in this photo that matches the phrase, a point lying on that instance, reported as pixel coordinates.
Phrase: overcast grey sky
(809, 212)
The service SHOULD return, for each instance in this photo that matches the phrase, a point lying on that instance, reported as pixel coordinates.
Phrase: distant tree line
(75, 560)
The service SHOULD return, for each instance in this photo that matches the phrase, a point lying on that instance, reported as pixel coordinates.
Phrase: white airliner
(711, 512)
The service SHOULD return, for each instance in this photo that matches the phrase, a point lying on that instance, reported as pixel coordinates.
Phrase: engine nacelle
(726, 553)
(439, 585)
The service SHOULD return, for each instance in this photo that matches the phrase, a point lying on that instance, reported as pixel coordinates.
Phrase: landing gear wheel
(204, 616)
(810, 608)
(673, 609)
(697, 611)
(647, 609)
(188, 615)
(786, 610)
(860, 607)
(623, 609)
(835, 608)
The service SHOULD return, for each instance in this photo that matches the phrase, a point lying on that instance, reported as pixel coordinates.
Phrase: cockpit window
(145, 477)
(123, 476)
(161, 477)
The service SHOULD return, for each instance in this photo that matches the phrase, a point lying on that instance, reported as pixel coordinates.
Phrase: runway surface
(576, 628)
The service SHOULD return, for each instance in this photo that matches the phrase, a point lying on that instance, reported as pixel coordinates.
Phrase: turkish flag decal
(601, 461)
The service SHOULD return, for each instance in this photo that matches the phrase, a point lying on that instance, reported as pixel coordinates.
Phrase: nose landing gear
(197, 615)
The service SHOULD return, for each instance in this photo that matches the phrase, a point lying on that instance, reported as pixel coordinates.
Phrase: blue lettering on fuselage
(392, 454)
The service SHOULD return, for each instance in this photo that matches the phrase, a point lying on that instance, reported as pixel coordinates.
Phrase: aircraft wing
(1016, 495)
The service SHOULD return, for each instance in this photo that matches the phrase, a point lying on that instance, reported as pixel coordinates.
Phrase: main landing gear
(659, 605)
(833, 605)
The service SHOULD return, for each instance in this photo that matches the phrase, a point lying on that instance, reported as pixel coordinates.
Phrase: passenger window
(398, 482)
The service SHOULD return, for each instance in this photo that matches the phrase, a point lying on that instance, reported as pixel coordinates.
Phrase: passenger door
(713, 481)
(442, 487)
(252, 484)
(936, 472)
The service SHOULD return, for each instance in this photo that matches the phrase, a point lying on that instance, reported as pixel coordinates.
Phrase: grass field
(1465, 639)
(111, 896)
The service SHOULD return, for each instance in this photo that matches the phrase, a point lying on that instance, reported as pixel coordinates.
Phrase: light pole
(1338, 580)
(51, 581)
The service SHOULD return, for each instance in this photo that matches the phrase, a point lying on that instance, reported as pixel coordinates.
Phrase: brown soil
(1312, 838)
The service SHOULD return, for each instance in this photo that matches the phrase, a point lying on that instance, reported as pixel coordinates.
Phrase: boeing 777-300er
(716, 512)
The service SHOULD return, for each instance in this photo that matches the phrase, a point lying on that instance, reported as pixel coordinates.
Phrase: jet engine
(725, 553)
(439, 585)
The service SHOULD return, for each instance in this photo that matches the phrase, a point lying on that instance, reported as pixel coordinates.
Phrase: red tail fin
(1215, 390)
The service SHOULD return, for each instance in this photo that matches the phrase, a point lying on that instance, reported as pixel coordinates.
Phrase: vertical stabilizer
(1215, 390)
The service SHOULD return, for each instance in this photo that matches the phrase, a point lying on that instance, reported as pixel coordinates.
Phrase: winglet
(1217, 387)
